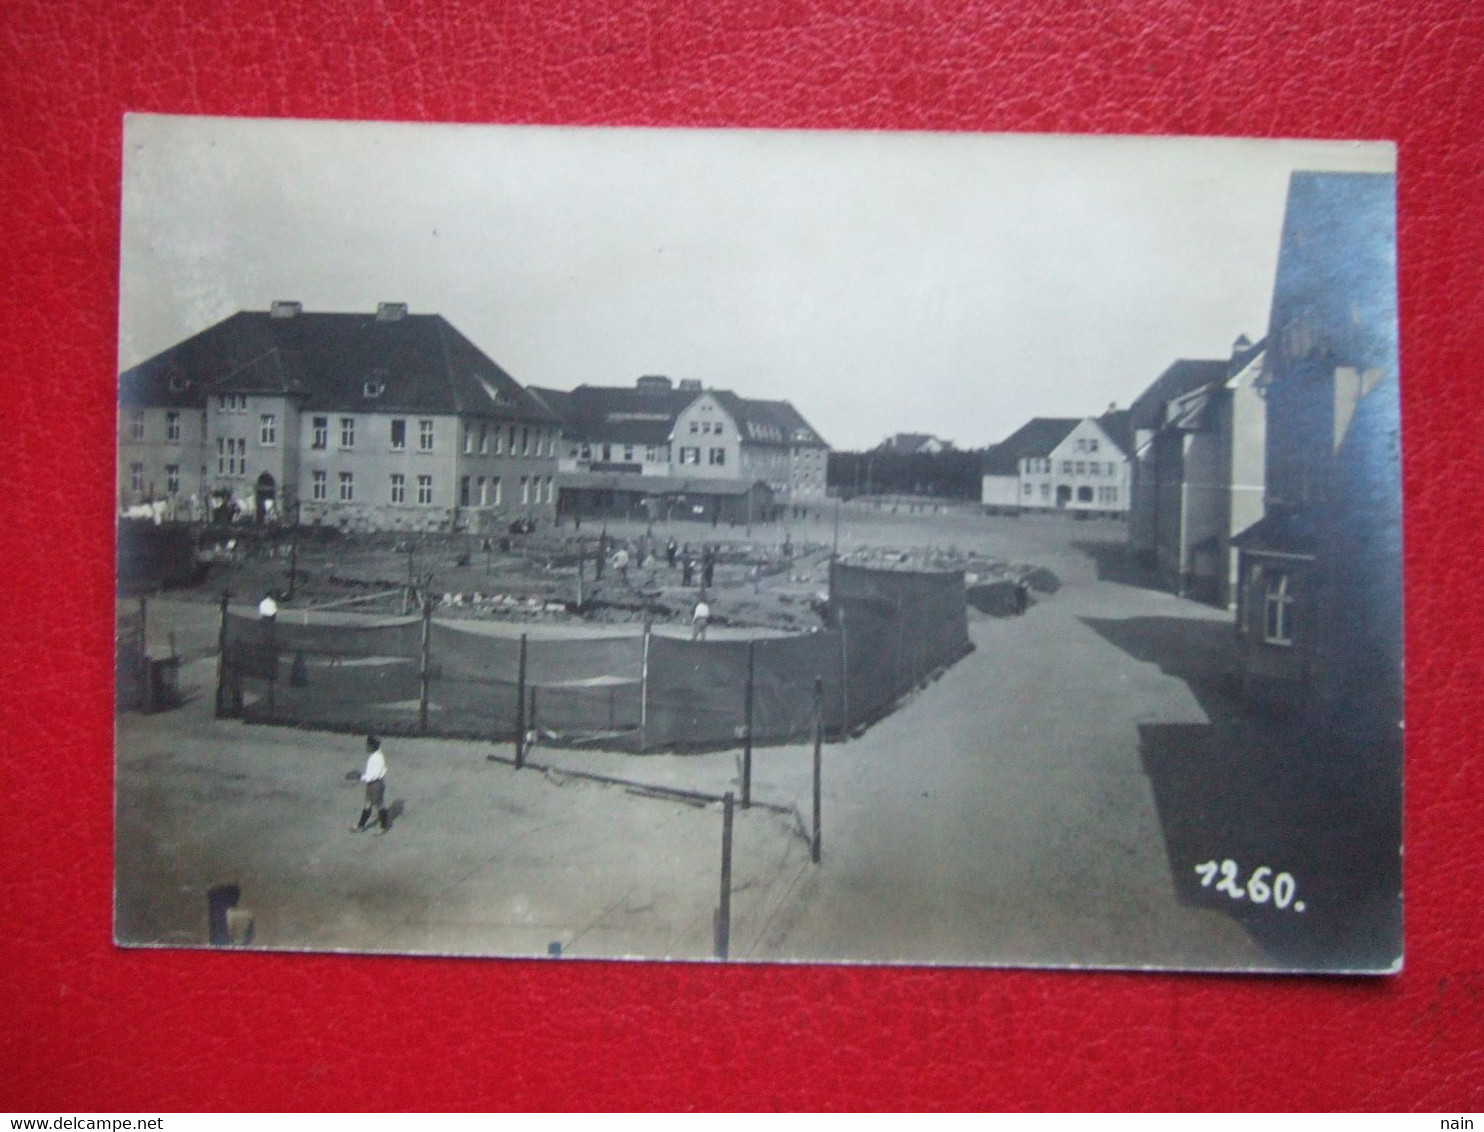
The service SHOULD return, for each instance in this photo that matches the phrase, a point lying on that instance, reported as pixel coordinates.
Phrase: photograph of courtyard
(420, 654)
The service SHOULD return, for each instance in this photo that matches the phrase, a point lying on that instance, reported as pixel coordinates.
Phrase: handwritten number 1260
(1261, 886)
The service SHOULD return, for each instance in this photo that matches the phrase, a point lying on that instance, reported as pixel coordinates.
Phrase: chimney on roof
(284, 308)
(653, 383)
(690, 385)
(390, 312)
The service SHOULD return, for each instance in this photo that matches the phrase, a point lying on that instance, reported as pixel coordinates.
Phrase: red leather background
(84, 1026)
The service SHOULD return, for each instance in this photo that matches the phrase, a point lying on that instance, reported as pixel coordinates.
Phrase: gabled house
(914, 444)
(685, 433)
(1197, 471)
(369, 421)
(1319, 599)
(1061, 464)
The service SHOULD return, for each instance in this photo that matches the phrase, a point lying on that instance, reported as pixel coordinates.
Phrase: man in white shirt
(374, 776)
(698, 620)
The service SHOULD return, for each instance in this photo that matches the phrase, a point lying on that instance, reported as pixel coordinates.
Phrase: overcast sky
(952, 284)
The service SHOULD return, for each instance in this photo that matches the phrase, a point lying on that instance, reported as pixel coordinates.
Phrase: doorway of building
(267, 497)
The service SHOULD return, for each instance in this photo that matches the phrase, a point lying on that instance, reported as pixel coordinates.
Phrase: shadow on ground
(1115, 562)
(1262, 789)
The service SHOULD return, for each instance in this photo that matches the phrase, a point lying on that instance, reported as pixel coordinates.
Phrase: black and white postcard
(759, 546)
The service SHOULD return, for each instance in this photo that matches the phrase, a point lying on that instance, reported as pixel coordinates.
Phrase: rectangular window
(347, 432)
(399, 435)
(425, 490)
(1066, 467)
(399, 488)
(628, 453)
(525, 489)
(321, 437)
(1027, 489)
(587, 451)
(347, 487)
(718, 457)
(464, 484)
(172, 479)
(550, 489)
(136, 477)
(483, 498)
(1045, 491)
(1278, 608)
(525, 441)
(221, 456)
(319, 489)
(694, 427)
(690, 455)
(424, 436)
(716, 428)
(484, 440)
(172, 427)
(1081, 468)
(551, 444)
(468, 440)
(268, 429)
(494, 491)
(136, 425)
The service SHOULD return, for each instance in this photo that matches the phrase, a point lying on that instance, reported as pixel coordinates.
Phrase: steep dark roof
(630, 415)
(341, 362)
(1184, 375)
(768, 422)
(618, 414)
(1115, 422)
(1037, 437)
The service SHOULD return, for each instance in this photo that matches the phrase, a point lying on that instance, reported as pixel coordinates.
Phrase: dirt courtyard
(1003, 815)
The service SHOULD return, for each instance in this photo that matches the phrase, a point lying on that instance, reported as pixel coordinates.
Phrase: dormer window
(179, 384)
(373, 389)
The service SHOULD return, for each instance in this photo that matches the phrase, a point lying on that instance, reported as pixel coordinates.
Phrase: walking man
(670, 549)
(699, 618)
(374, 776)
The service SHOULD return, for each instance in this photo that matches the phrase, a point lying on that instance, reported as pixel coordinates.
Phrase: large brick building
(364, 421)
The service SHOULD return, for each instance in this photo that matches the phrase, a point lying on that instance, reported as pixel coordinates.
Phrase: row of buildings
(1268, 482)
(395, 420)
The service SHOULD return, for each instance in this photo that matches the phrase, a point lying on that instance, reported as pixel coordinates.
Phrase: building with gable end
(1061, 464)
(1197, 471)
(685, 434)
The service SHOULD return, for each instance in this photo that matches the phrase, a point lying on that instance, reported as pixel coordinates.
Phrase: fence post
(747, 702)
(815, 842)
(272, 649)
(425, 671)
(533, 721)
(141, 658)
(221, 659)
(644, 691)
(844, 678)
(724, 912)
(520, 709)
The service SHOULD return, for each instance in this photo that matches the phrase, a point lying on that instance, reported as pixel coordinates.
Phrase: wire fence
(884, 633)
